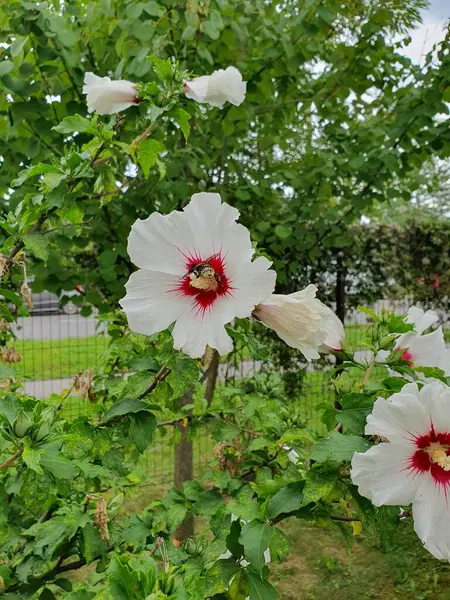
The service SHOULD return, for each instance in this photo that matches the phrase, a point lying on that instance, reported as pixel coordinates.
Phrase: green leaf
(288, 499)
(318, 485)
(371, 313)
(433, 372)
(182, 118)
(54, 461)
(162, 67)
(244, 506)
(6, 66)
(9, 407)
(255, 538)
(260, 589)
(278, 545)
(147, 154)
(354, 410)
(76, 123)
(39, 169)
(38, 244)
(184, 374)
(211, 30)
(153, 9)
(218, 577)
(32, 458)
(92, 545)
(141, 431)
(283, 232)
(121, 584)
(338, 447)
(64, 584)
(124, 407)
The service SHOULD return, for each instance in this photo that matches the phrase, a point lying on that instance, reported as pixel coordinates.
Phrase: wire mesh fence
(54, 348)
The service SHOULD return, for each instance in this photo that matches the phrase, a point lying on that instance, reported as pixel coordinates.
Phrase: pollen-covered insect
(204, 277)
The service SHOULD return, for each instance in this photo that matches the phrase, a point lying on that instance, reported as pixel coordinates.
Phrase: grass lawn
(321, 567)
(55, 359)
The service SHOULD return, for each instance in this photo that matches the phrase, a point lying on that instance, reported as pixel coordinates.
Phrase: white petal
(334, 328)
(435, 397)
(400, 418)
(251, 283)
(151, 304)
(300, 320)
(197, 88)
(107, 97)
(383, 476)
(420, 319)
(161, 243)
(431, 513)
(216, 89)
(426, 350)
(445, 362)
(195, 330)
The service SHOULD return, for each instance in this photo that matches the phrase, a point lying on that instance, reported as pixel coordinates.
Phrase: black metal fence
(54, 348)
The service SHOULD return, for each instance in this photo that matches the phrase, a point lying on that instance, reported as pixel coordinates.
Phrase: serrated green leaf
(141, 432)
(76, 123)
(318, 485)
(184, 375)
(92, 545)
(32, 458)
(38, 244)
(147, 153)
(53, 460)
(182, 118)
(338, 447)
(353, 412)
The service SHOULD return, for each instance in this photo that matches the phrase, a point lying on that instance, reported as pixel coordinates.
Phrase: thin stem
(12, 459)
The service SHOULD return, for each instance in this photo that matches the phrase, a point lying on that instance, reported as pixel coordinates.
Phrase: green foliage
(306, 155)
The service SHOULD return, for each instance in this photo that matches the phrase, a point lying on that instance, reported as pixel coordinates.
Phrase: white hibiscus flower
(216, 89)
(424, 350)
(302, 321)
(107, 97)
(415, 466)
(195, 270)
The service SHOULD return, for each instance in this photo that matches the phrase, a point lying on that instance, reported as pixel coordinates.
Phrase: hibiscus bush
(115, 127)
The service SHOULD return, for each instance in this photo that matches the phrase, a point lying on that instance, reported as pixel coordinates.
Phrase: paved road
(55, 327)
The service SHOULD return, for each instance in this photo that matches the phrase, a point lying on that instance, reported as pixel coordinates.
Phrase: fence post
(184, 470)
(340, 286)
(340, 299)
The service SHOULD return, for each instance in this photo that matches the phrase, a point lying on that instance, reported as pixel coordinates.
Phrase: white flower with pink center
(414, 467)
(195, 270)
(424, 350)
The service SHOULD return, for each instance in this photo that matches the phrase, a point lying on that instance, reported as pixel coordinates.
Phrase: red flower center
(205, 280)
(431, 453)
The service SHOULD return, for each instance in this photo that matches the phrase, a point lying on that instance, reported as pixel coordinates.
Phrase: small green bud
(22, 424)
(387, 341)
(41, 432)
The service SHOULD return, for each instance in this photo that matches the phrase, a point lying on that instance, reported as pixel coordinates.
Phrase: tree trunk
(213, 369)
(340, 299)
(184, 471)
